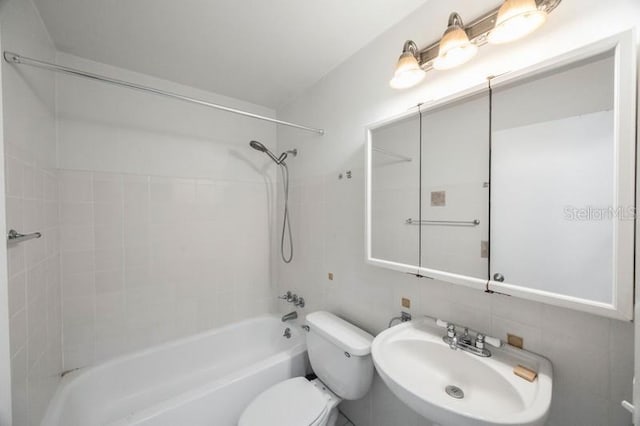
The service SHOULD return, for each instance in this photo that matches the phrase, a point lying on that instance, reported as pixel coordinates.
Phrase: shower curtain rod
(14, 58)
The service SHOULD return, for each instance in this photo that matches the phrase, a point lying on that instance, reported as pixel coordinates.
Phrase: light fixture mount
(477, 31)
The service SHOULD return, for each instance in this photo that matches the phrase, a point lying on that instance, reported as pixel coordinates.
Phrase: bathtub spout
(290, 316)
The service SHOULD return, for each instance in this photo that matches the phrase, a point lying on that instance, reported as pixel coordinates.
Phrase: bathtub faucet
(290, 316)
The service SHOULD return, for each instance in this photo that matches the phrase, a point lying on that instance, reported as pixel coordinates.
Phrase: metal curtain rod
(14, 58)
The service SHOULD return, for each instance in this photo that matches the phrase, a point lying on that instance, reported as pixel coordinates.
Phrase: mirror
(454, 182)
(562, 204)
(427, 190)
(525, 188)
(395, 190)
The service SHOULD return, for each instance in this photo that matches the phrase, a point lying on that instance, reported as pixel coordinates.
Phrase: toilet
(340, 355)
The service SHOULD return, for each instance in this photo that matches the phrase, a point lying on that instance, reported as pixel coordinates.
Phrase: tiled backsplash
(146, 259)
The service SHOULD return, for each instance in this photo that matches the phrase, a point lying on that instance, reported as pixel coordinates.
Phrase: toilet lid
(294, 402)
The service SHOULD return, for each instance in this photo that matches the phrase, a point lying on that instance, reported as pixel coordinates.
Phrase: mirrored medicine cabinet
(523, 186)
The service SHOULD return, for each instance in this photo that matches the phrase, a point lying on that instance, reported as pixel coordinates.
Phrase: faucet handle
(451, 330)
(479, 341)
(493, 341)
(286, 296)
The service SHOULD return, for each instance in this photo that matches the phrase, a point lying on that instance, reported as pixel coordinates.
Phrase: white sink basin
(418, 367)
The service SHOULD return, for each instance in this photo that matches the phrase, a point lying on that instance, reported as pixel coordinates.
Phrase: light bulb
(455, 48)
(516, 19)
(408, 71)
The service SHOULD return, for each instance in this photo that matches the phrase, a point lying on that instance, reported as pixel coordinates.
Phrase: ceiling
(262, 51)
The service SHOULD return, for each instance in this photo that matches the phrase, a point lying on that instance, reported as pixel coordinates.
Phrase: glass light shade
(516, 19)
(455, 49)
(408, 72)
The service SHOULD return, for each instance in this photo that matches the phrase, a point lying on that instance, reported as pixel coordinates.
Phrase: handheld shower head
(260, 147)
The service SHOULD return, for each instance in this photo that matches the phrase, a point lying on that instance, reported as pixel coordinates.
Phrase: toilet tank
(340, 354)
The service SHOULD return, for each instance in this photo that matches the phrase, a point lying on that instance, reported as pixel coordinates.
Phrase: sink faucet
(290, 316)
(466, 343)
(452, 337)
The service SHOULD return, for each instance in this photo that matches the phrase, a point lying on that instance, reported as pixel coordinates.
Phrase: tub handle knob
(306, 328)
(286, 296)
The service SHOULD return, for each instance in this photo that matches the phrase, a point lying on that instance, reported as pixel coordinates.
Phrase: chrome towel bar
(15, 237)
(474, 222)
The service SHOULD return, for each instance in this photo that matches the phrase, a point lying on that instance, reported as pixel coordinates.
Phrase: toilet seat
(293, 402)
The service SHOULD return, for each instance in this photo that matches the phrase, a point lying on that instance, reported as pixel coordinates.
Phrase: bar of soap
(524, 372)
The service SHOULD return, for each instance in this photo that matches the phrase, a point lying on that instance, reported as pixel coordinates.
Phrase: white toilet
(340, 354)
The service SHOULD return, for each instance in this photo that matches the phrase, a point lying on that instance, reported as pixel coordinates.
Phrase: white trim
(367, 203)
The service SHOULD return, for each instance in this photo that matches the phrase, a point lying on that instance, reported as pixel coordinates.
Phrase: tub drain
(454, 392)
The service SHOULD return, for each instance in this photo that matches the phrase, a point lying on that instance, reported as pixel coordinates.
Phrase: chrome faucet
(467, 343)
(452, 337)
(293, 298)
(290, 316)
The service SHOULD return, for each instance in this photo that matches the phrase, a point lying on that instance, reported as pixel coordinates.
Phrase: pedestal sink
(456, 388)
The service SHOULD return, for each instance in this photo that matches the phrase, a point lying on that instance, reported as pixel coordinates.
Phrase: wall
(31, 205)
(166, 214)
(592, 356)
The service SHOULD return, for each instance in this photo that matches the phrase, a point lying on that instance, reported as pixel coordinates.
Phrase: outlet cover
(514, 340)
(484, 249)
(330, 276)
(438, 198)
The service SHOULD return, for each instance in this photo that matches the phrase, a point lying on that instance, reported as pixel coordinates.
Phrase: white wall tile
(32, 205)
(144, 251)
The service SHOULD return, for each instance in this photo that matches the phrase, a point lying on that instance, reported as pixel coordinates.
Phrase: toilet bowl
(340, 355)
(293, 402)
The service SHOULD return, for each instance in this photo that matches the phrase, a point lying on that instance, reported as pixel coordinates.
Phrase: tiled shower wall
(146, 259)
(34, 287)
(32, 205)
(166, 214)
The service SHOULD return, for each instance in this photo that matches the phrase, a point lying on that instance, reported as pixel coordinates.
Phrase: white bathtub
(207, 379)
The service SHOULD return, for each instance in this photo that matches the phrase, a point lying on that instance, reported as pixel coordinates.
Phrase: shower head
(260, 147)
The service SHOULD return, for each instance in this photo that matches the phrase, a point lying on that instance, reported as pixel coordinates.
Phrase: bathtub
(207, 379)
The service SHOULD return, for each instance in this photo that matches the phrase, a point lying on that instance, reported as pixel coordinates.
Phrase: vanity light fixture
(455, 48)
(408, 71)
(511, 21)
(516, 19)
